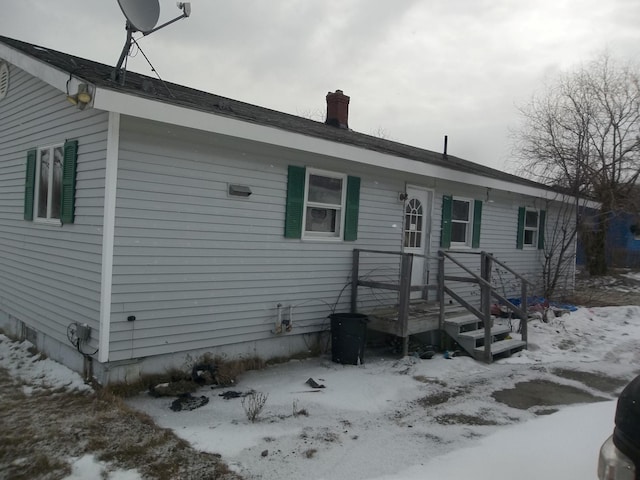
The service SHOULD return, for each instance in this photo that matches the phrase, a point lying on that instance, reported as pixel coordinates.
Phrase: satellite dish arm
(115, 75)
(186, 11)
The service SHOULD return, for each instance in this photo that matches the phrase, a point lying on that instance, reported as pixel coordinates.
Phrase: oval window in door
(413, 224)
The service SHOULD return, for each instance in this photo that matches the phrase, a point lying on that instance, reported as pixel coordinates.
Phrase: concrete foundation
(132, 370)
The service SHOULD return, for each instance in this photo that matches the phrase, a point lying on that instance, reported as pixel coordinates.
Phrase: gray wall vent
(4, 79)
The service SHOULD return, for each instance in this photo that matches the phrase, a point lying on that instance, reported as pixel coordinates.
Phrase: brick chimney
(337, 109)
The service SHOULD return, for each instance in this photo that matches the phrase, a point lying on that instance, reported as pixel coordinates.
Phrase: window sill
(313, 238)
(460, 246)
(44, 221)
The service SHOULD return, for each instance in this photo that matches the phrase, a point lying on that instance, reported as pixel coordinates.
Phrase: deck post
(523, 321)
(403, 300)
(440, 291)
(485, 301)
(355, 266)
(440, 294)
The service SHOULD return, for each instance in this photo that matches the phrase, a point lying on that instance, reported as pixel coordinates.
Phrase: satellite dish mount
(142, 16)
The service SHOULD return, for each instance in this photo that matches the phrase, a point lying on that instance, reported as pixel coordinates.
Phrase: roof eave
(59, 79)
(153, 109)
(150, 109)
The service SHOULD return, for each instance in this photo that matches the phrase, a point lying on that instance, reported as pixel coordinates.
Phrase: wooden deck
(411, 317)
(422, 317)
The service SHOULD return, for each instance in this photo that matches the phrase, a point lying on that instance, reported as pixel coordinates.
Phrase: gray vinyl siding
(50, 275)
(498, 236)
(200, 269)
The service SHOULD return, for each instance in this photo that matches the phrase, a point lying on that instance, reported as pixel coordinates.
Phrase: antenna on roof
(142, 16)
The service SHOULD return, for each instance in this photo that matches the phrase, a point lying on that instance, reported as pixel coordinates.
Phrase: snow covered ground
(409, 418)
(412, 418)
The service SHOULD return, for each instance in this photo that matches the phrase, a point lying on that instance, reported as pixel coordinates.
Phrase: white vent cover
(4, 79)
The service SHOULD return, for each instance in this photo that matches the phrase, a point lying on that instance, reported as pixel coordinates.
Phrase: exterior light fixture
(489, 199)
(82, 98)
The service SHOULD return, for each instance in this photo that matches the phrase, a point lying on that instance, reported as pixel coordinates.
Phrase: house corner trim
(108, 232)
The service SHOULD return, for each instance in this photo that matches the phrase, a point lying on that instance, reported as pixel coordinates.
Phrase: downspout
(108, 233)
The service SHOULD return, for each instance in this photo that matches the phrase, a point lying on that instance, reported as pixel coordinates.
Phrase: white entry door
(417, 230)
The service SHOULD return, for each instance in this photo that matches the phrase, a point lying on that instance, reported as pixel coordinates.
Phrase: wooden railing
(403, 286)
(404, 289)
(487, 292)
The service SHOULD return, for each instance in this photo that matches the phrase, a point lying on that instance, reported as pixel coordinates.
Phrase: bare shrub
(253, 404)
(229, 370)
(299, 411)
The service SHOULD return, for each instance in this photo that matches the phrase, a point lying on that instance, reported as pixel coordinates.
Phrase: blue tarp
(531, 301)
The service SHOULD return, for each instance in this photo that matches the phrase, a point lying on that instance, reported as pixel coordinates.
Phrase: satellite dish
(142, 15)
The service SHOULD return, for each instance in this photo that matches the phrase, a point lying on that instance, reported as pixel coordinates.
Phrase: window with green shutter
(68, 194)
(543, 219)
(321, 204)
(352, 209)
(477, 222)
(29, 184)
(295, 202)
(530, 232)
(520, 234)
(50, 183)
(445, 228)
(461, 222)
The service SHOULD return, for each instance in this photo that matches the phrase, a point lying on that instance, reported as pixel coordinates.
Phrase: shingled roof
(144, 86)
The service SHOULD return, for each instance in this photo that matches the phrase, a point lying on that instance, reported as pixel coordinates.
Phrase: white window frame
(536, 230)
(469, 223)
(36, 193)
(330, 236)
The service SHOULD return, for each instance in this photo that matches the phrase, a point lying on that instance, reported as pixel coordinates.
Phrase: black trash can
(348, 337)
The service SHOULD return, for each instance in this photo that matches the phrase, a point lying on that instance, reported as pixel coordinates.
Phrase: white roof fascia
(582, 202)
(135, 106)
(55, 77)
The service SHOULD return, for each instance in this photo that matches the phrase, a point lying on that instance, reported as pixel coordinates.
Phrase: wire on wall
(76, 341)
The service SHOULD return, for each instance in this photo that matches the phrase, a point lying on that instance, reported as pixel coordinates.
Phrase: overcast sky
(415, 70)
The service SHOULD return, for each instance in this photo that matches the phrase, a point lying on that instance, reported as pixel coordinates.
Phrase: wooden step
(503, 346)
(461, 320)
(479, 334)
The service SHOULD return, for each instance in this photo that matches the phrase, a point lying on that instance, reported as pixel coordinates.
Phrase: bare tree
(315, 114)
(381, 132)
(560, 236)
(583, 134)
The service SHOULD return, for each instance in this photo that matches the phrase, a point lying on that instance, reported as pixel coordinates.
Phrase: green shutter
(29, 184)
(352, 208)
(295, 202)
(477, 221)
(541, 220)
(445, 230)
(68, 197)
(520, 238)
